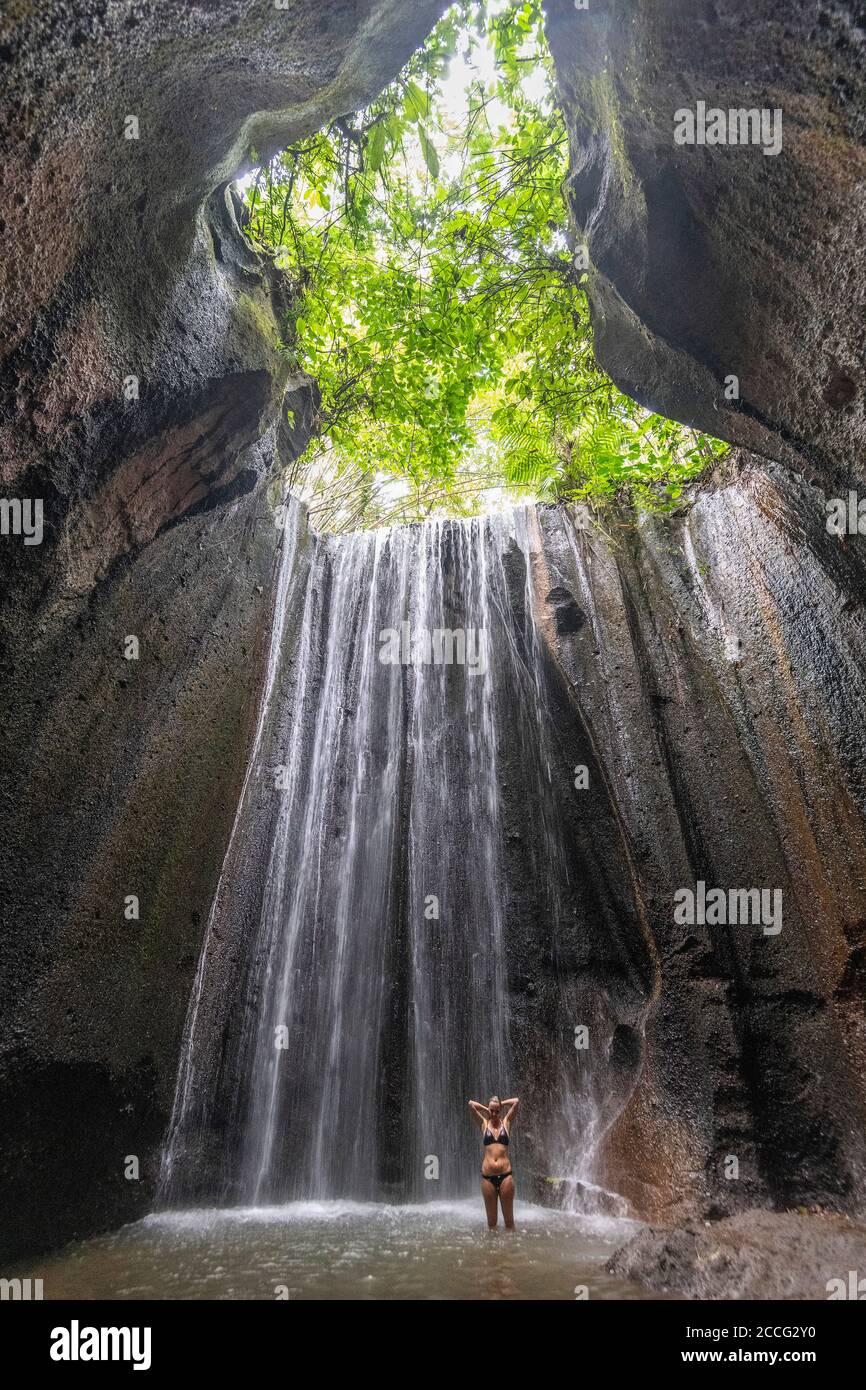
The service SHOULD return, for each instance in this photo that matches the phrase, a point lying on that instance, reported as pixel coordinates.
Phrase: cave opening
(438, 298)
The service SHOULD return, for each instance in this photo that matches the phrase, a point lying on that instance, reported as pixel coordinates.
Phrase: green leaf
(416, 103)
(376, 147)
(428, 149)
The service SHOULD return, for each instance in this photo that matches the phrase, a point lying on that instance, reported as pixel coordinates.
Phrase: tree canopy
(440, 302)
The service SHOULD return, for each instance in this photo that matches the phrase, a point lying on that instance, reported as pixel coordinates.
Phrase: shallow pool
(344, 1250)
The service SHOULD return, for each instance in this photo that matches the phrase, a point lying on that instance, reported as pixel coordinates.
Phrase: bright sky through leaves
(439, 306)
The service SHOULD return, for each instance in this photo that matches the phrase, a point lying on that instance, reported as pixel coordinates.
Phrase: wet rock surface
(754, 1255)
(713, 260)
(141, 379)
(719, 675)
(136, 766)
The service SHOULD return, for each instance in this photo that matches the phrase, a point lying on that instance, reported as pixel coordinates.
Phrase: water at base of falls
(344, 1250)
(404, 865)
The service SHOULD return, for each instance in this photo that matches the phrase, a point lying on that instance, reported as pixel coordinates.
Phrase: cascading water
(401, 920)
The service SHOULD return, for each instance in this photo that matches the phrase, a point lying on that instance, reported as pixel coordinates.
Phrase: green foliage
(439, 307)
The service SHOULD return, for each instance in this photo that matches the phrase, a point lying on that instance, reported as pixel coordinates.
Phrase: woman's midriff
(495, 1159)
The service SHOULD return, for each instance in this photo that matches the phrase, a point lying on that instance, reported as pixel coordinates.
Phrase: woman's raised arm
(511, 1111)
(480, 1113)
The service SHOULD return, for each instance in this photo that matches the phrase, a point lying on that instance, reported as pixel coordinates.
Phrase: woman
(497, 1180)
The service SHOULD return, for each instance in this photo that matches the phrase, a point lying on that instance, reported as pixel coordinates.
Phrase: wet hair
(494, 1100)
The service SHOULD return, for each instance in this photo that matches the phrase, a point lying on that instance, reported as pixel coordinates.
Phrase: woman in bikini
(497, 1181)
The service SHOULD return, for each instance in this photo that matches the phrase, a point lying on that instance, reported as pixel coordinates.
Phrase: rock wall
(125, 262)
(729, 643)
(717, 260)
(133, 769)
(720, 672)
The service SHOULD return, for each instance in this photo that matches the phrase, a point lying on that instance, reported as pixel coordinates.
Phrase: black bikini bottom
(497, 1178)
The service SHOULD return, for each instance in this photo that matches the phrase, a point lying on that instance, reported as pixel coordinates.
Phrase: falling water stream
(354, 985)
(375, 997)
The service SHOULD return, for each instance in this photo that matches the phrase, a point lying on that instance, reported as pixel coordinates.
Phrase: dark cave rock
(566, 614)
(716, 260)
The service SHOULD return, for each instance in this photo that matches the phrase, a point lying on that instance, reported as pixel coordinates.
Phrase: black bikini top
(490, 1138)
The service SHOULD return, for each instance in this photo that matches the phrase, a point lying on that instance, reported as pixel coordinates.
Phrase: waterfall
(402, 907)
